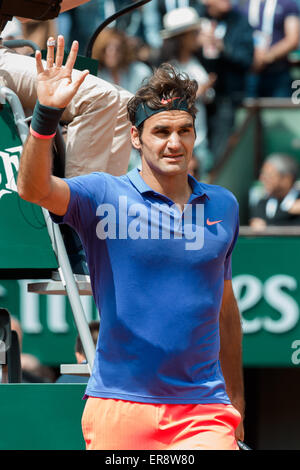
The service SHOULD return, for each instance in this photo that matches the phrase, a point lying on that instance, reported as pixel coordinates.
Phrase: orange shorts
(110, 424)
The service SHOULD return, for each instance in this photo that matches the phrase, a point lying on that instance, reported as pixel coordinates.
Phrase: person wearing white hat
(165, 6)
(181, 20)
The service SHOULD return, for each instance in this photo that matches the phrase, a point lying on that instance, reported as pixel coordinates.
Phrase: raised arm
(55, 89)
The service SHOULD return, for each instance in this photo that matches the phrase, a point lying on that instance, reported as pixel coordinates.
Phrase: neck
(175, 187)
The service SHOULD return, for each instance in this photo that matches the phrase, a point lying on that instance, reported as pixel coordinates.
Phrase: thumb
(76, 84)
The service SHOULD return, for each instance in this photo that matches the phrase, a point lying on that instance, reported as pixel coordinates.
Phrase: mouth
(174, 157)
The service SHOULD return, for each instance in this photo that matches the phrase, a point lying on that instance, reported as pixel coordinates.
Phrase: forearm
(69, 4)
(281, 49)
(65, 5)
(231, 354)
(34, 178)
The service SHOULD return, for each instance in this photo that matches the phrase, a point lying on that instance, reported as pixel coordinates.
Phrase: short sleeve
(291, 9)
(86, 193)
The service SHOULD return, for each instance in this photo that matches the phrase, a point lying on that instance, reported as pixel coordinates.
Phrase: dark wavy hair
(166, 82)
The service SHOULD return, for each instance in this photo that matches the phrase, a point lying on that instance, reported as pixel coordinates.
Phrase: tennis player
(167, 372)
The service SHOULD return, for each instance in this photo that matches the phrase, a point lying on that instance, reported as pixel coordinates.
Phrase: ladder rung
(80, 369)
(57, 288)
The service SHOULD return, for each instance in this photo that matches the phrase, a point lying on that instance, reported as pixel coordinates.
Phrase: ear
(135, 139)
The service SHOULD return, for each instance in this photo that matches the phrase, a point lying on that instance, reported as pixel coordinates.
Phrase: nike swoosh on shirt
(212, 222)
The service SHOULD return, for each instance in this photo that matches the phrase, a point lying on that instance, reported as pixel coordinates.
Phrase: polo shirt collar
(143, 188)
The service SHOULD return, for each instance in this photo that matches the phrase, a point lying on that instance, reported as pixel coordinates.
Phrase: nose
(174, 142)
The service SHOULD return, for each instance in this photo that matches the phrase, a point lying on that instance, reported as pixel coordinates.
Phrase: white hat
(180, 20)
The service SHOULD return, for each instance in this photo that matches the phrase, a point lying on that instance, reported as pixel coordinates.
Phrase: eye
(186, 130)
(162, 132)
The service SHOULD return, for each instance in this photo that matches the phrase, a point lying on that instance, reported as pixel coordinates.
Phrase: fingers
(60, 51)
(50, 52)
(58, 61)
(72, 56)
(38, 62)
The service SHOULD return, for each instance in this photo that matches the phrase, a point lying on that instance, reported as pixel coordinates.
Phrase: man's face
(275, 184)
(167, 142)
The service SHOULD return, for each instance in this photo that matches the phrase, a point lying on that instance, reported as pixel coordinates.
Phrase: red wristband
(40, 136)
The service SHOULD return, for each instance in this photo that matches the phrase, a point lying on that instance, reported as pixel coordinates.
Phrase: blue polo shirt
(157, 276)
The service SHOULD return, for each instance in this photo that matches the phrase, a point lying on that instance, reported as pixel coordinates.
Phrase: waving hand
(55, 86)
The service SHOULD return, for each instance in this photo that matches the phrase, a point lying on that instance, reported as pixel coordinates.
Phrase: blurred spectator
(39, 32)
(142, 25)
(117, 61)
(227, 51)
(180, 33)
(80, 23)
(80, 356)
(279, 203)
(276, 28)
(165, 6)
(35, 31)
(32, 369)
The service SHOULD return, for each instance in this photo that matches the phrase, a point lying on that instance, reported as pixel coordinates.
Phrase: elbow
(21, 189)
(26, 192)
